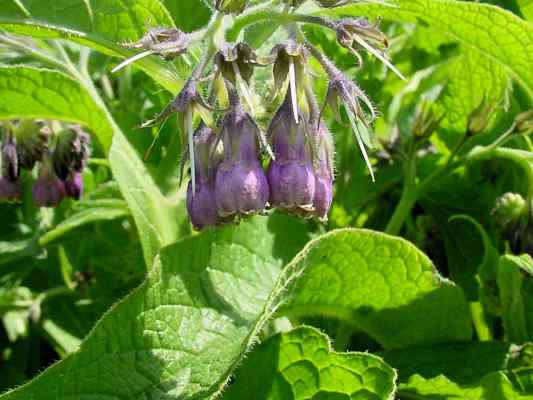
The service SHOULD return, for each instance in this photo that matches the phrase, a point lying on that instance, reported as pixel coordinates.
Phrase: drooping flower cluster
(229, 179)
(60, 158)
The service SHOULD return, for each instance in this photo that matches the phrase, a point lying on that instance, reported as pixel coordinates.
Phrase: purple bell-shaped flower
(74, 185)
(201, 204)
(241, 186)
(48, 190)
(290, 174)
(324, 173)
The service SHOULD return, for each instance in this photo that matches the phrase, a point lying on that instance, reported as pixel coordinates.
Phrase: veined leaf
(188, 14)
(382, 285)
(181, 333)
(100, 24)
(39, 93)
(490, 31)
(301, 365)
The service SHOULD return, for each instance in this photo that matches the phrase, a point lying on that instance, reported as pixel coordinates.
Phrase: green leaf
(493, 387)
(487, 30)
(188, 15)
(384, 286)
(301, 364)
(39, 93)
(100, 24)
(182, 332)
(515, 284)
(526, 8)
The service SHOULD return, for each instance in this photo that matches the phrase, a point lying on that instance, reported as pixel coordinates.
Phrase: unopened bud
(324, 173)
(231, 6)
(509, 210)
(71, 151)
(74, 185)
(168, 43)
(524, 122)
(10, 163)
(479, 118)
(9, 191)
(425, 121)
(32, 141)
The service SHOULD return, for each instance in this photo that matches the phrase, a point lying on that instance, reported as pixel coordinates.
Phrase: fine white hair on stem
(379, 56)
(244, 86)
(360, 143)
(131, 60)
(190, 135)
(292, 85)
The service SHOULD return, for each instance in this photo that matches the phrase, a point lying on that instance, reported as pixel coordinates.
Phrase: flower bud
(425, 121)
(510, 210)
(48, 190)
(290, 174)
(233, 60)
(324, 173)
(10, 163)
(289, 59)
(74, 185)
(241, 186)
(10, 191)
(478, 120)
(231, 6)
(201, 205)
(524, 122)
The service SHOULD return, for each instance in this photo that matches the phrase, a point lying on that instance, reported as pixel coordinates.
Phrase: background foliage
(411, 290)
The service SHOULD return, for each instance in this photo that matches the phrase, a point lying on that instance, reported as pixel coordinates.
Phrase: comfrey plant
(58, 152)
(227, 176)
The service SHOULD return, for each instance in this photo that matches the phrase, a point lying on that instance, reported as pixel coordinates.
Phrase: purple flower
(201, 204)
(241, 186)
(323, 166)
(74, 185)
(290, 174)
(48, 190)
(10, 191)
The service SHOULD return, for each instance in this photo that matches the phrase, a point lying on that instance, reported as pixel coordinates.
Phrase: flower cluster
(231, 176)
(60, 155)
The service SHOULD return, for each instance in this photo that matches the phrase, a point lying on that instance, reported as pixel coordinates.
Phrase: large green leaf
(494, 33)
(100, 24)
(39, 93)
(383, 285)
(515, 284)
(188, 14)
(300, 364)
(181, 333)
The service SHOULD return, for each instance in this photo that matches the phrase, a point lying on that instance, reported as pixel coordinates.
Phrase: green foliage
(421, 293)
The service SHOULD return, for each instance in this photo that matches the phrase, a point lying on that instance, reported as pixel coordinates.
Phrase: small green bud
(509, 210)
(231, 6)
(524, 122)
(479, 118)
(425, 121)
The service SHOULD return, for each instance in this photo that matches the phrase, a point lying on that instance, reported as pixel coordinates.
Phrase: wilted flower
(201, 203)
(48, 190)
(74, 185)
(168, 43)
(241, 186)
(231, 6)
(357, 33)
(290, 174)
(351, 96)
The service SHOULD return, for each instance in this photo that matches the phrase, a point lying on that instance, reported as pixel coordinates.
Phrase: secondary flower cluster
(228, 180)
(61, 158)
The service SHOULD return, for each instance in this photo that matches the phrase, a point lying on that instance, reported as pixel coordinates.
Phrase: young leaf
(383, 285)
(300, 364)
